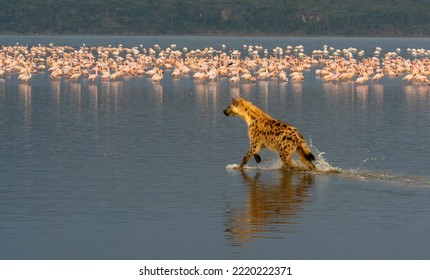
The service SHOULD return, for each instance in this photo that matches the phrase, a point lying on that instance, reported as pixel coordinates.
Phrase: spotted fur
(267, 132)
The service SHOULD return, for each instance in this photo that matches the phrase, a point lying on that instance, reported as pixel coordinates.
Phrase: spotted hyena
(267, 132)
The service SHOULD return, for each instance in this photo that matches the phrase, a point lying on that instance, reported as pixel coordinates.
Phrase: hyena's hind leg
(286, 155)
(306, 158)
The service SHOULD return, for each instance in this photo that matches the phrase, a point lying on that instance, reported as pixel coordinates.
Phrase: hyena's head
(235, 108)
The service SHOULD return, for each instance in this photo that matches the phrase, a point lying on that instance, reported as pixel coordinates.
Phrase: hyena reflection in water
(267, 132)
(273, 205)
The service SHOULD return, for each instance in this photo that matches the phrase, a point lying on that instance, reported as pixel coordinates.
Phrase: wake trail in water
(323, 167)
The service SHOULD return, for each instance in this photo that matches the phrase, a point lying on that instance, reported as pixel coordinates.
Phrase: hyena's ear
(234, 101)
(240, 99)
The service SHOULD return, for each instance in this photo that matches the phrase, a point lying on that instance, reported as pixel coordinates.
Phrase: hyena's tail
(306, 155)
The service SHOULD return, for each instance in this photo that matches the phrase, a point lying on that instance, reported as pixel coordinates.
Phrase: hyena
(267, 132)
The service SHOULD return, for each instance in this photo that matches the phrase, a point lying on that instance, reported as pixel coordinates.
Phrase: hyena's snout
(230, 111)
(227, 111)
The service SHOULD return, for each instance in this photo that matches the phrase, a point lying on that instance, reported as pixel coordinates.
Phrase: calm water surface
(136, 170)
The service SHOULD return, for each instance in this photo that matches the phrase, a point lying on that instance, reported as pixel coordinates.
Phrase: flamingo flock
(250, 65)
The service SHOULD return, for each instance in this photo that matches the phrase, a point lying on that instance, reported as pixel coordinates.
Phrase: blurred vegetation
(217, 17)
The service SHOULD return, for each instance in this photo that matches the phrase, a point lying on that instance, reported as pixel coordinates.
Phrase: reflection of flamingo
(269, 205)
(25, 90)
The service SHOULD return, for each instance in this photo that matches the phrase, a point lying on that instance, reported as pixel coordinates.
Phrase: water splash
(321, 163)
(269, 164)
(324, 167)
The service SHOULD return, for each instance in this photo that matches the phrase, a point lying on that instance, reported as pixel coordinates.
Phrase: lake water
(133, 169)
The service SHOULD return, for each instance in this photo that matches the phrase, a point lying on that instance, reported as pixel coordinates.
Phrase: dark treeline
(241, 17)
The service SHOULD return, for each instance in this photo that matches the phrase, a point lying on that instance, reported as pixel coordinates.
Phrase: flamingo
(379, 75)
(176, 73)
(235, 78)
(362, 79)
(157, 76)
(263, 73)
(247, 76)
(105, 74)
(200, 75)
(152, 71)
(26, 76)
(283, 76)
(409, 77)
(94, 76)
(115, 75)
(57, 73)
(212, 74)
(297, 76)
(75, 76)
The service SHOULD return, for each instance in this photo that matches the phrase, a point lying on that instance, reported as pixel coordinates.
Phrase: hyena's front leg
(253, 151)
